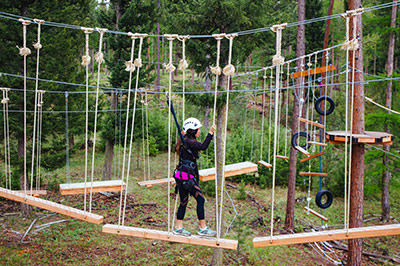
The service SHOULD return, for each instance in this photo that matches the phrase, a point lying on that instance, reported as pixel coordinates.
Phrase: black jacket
(195, 147)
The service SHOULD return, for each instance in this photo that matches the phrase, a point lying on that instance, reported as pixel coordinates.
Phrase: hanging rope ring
(319, 102)
(295, 139)
(319, 197)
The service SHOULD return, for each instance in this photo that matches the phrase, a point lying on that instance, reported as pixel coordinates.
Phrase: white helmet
(191, 123)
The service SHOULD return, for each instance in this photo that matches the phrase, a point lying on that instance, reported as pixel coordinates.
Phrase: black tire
(295, 139)
(318, 107)
(329, 200)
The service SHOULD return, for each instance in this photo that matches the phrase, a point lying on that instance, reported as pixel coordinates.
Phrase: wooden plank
(265, 163)
(330, 235)
(312, 156)
(230, 170)
(150, 183)
(303, 151)
(369, 137)
(35, 193)
(163, 235)
(98, 186)
(313, 71)
(317, 143)
(282, 157)
(51, 206)
(310, 122)
(313, 174)
(320, 216)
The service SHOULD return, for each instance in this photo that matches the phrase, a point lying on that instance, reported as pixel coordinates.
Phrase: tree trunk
(25, 208)
(389, 72)
(357, 156)
(300, 50)
(217, 252)
(109, 153)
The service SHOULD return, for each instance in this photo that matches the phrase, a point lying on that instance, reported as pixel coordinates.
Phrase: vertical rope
(147, 135)
(138, 64)
(262, 114)
(86, 63)
(39, 138)
(24, 51)
(7, 164)
(229, 70)
(130, 68)
(170, 68)
(254, 118)
(270, 114)
(287, 109)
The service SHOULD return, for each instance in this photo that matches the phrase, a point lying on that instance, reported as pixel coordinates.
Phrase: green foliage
(241, 193)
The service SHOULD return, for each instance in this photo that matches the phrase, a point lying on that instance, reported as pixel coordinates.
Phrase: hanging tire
(318, 105)
(295, 139)
(320, 195)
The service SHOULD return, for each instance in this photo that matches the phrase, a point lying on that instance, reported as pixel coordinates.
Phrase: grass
(79, 243)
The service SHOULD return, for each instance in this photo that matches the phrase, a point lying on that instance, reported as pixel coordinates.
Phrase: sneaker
(206, 232)
(181, 232)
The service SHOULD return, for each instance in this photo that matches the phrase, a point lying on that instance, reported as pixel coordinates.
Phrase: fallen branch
(366, 253)
(29, 229)
(257, 203)
(51, 223)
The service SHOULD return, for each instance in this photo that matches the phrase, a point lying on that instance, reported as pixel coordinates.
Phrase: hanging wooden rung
(311, 156)
(320, 216)
(310, 122)
(230, 170)
(150, 183)
(35, 193)
(329, 235)
(303, 151)
(51, 206)
(317, 143)
(98, 186)
(265, 163)
(282, 157)
(313, 71)
(163, 235)
(313, 174)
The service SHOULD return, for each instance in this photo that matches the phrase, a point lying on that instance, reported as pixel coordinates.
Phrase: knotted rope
(183, 64)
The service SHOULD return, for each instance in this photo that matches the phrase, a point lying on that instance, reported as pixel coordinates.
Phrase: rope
(39, 137)
(147, 135)
(228, 71)
(270, 115)
(287, 109)
(170, 68)
(138, 65)
(277, 60)
(217, 71)
(7, 165)
(24, 51)
(262, 114)
(183, 64)
(37, 46)
(254, 119)
(130, 70)
(381, 106)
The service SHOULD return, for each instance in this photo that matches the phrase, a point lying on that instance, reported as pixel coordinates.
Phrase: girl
(187, 175)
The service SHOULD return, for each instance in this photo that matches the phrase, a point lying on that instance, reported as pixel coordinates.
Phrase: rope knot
(38, 21)
(85, 60)
(87, 30)
(99, 57)
(138, 62)
(5, 100)
(24, 51)
(229, 70)
(278, 59)
(219, 36)
(130, 67)
(24, 21)
(216, 70)
(183, 64)
(37, 46)
(170, 67)
(171, 37)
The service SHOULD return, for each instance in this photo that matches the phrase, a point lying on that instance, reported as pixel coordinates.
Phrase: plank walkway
(230, 170)
(98, 186)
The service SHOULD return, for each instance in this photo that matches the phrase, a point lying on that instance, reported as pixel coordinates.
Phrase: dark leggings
(195, 191)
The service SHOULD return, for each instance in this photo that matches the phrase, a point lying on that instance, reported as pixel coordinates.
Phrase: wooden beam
(330, 235)
(313, 71)
(369, 137)
(282, 157)
(51, 206)
(313, 174)
(98, 186)
(310, 122)
(230, 170)
(150, 183)
(163, 235)
(35, 193)
(265, 163)
(317, 143)
(320, 216)
(312, 156)
(303, 151)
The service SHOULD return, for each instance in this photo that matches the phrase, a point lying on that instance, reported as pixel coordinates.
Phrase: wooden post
(300, 51)
(357, 157)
